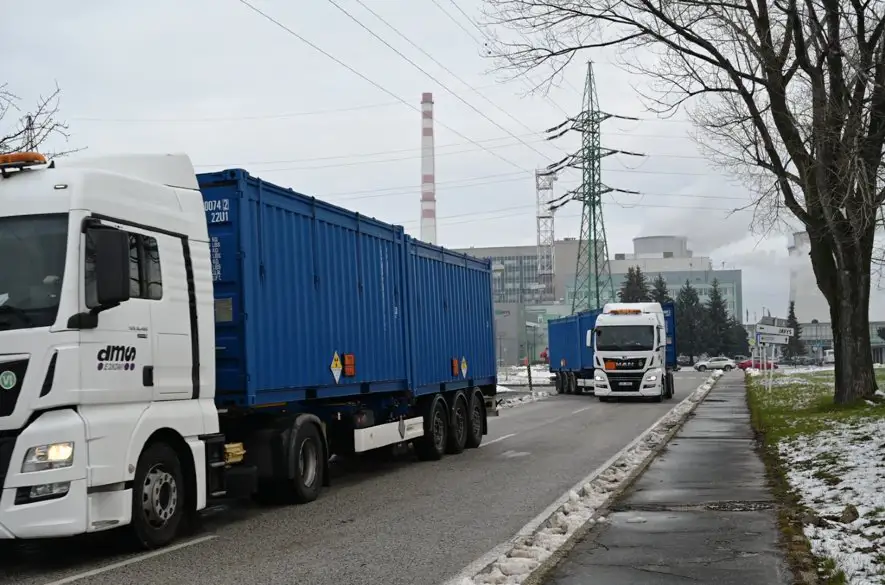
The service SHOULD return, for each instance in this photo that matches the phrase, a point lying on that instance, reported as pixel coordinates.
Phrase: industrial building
(523, 304)
(812, 309)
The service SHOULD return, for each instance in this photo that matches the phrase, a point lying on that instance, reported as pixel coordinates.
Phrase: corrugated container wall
(567, 340)
(451, 297)
(298, 280)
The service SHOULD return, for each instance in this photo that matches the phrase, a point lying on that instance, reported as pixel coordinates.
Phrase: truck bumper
(624, 385)
(46, 503)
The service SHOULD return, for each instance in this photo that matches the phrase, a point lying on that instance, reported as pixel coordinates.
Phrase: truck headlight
(598, 378)
(45, 457)
(652, 378)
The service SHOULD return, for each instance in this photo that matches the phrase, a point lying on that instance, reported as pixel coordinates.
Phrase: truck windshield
(625, 338)
(32, 263)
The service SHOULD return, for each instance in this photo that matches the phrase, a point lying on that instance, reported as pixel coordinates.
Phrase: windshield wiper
(20, 313)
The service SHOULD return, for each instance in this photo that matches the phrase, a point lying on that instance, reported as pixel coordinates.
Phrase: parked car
(757, 365)
(716, 363)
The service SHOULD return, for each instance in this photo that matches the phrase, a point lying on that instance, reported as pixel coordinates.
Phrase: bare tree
(30, 129)
(790, 93)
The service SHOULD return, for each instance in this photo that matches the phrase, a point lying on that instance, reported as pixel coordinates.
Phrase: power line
(425, 72)
(446, 69)
(237, 118)
(367, 79)
(507, 143)
(496, 179)
(450, 145)
(511, 214)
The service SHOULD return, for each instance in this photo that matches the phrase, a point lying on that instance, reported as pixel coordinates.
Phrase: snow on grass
(832, 457)
(518, 376)
(524, 399)
(839, 474)
(582, 503)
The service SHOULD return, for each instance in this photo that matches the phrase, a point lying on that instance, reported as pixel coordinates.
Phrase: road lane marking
(581, 409)
(133, 560)
(487, 443)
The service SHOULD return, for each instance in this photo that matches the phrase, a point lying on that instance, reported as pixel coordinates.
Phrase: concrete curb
(483, 570)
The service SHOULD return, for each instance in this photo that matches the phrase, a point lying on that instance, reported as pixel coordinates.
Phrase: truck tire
(557, 382)
(459, 425)
(671, 385)
(308, 463)
(432, 446)
(476, 412)
(158, 496)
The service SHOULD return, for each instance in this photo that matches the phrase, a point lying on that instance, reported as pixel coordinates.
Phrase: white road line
(133, 560)
(487, 443)
(581, 409)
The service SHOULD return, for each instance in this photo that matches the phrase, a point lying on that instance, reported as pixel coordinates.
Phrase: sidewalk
(701, 512)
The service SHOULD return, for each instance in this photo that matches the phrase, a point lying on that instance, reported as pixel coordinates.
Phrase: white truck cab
(103, 372)
(629, 342)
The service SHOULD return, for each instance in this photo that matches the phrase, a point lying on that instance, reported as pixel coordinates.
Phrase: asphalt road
(399, 522)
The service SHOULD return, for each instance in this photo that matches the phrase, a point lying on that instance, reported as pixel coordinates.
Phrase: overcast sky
(228, 87)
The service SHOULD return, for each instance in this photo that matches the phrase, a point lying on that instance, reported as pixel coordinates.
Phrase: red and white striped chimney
(428, 176)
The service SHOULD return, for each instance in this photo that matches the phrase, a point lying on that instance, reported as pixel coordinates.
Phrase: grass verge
(798, 409)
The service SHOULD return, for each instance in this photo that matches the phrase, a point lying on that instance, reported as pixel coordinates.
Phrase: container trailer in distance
(170, 339)
(623, 350)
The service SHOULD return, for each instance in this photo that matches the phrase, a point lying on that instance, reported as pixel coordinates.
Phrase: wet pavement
(702, 511)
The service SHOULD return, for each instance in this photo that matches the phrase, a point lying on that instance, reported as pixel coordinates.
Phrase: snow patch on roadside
(839, 474)
(525, 399)
(583, 502)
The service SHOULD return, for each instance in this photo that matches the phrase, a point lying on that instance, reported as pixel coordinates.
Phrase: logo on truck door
(116, 357)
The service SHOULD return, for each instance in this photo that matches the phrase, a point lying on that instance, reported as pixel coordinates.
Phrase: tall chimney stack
(428, 167)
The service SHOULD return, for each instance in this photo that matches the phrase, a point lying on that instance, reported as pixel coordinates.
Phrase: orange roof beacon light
(20, 160)
(626, 312)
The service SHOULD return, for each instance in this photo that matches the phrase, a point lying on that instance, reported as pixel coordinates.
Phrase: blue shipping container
(567, 341)
(299, 283)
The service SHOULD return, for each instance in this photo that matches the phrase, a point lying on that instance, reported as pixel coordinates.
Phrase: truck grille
(624, 382)
(624, 363)
(9, 398)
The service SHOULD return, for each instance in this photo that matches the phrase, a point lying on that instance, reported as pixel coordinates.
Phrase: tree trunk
(850, 313)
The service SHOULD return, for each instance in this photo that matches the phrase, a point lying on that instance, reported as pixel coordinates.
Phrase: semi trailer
(171, 340)
(621, 350)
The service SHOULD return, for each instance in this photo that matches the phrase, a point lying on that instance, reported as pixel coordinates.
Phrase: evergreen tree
(689, 321)
(659, 292)
(635, 287)
(737, 340)
(716, 324)
(795, 347)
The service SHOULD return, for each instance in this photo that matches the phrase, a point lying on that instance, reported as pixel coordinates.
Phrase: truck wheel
(671, 386)
(557, 382)
(432, 446)
(457, 439)
(308, 454)
(158, 496)
(474, 430)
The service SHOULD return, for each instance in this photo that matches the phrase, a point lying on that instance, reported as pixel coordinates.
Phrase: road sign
(774, 330)
(772, 339)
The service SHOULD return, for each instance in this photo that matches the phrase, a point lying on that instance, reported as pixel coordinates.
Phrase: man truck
(171, 340)
(623, 350)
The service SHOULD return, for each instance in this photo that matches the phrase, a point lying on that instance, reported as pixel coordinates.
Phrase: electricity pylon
(593, 279)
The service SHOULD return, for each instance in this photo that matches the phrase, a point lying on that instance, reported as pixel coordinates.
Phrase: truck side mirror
(111, 249)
